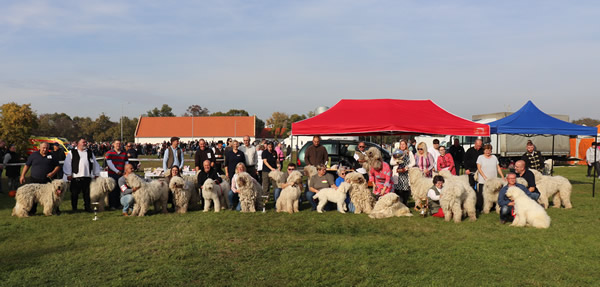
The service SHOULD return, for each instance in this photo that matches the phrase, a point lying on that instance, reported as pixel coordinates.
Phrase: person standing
(59, 155)
(132, 153)
(402, 160)
(458, 153)
(232, 158)
(533, 158)
(11, 158)
(470, 162)
(280, 155)
(435, 153)
(42, 164)
(43, 168)
(126, 191)
(173, 155)
(424, 160)
(590, 157)
(360, 155)
(80, 167)
(219, 152)
(259, 161)
(487, 167)
(116, 158)
(315, 154)
(251, 157)
(202, 154)
(445, 161)
(270, 163)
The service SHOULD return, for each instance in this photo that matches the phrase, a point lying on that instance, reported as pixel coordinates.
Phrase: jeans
(276, 193)
(534, 195)
(349, 204)
(309, 197)
(506, 213)
(234, 198)
(127, 202)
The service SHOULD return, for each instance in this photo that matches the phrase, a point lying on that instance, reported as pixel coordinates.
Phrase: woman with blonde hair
(424, 160)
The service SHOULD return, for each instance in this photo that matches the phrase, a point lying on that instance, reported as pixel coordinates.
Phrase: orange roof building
(159, 129)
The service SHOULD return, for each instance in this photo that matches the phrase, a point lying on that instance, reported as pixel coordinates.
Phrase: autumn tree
(165, 111)
(17, 122)
(84, 127)
(231, 113)
(196, 111)
(56, 125)
(587, 121)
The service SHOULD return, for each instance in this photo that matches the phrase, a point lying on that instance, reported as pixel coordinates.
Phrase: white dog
(49, 195)
(361, 197)
(277, 176)
(195, 199)
(215, 193)
(557, 187)
(147, 193)
(459, 198)
(527, 211)
(389, 205)
(335, 195)
(182, 193)
(491, 190)
(250, 193)
(289, 197)
(419, 185)
(99, 190)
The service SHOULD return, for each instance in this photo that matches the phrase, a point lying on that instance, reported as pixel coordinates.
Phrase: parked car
(342, 151)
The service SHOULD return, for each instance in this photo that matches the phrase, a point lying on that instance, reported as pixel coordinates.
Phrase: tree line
(19, 122)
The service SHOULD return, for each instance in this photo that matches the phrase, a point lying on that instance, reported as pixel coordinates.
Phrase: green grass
(230, 248)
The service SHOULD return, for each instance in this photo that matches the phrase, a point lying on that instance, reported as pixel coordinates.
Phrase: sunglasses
(342, 173)
(419, 149)
(361, 146)
(290, 169)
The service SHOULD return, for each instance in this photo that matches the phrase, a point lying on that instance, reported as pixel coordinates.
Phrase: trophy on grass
(95, 204)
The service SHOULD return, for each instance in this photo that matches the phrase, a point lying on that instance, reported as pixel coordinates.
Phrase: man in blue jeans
(126, 191)
(506, 205)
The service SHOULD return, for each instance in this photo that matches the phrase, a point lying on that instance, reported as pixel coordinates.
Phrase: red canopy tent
(388, 117)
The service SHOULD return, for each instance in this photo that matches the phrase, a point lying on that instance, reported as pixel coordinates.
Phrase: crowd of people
(258, 159)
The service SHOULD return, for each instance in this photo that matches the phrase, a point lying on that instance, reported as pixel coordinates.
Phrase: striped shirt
(115, 161)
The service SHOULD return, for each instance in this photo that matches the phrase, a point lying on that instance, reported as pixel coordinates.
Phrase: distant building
(160, 129)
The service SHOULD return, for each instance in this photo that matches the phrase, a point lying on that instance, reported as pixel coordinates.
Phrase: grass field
(306, 249)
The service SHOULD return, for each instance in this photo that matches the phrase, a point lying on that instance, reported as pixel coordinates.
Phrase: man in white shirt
(434, 151)
(592, 161)
(251, 157)
(79, 168)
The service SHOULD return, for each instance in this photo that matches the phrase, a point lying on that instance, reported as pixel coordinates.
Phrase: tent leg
(552, 167)
(595, 170)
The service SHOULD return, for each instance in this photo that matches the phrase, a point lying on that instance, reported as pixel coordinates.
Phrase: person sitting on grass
(342, 171)
(173, 172)
(433, 197)
(319, 181)
(290, 168)
(234, 193)
(506, 205)
(126, 191)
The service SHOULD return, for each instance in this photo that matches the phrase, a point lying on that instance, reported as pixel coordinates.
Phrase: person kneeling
(433, 197)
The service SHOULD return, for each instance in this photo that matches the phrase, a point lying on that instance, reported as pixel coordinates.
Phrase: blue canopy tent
(529, 120)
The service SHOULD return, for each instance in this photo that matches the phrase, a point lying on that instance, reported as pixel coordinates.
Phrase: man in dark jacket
(315, 154)
(458, 154)
(470, 162)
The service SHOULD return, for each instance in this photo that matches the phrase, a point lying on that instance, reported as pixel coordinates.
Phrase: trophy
(265, 199)
(95, 204)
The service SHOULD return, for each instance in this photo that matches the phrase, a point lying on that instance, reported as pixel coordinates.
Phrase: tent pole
(552, 158)
(595, 174)
(497, 145)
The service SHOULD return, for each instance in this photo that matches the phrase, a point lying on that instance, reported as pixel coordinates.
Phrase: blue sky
(470, 57)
